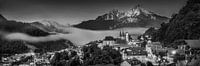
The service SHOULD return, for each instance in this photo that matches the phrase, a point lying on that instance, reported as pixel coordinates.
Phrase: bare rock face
(135, 17)
(51, 26)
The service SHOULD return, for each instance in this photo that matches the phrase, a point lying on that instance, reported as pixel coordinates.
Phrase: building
(109, 40)
(125, 36)
(121, 41)
(155, 46)
(122, 35)
(134, 52)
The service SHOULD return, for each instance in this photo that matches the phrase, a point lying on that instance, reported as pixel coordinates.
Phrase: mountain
(9, 47)
(50, 26)
(14, 26)
(183, 25)
(136, 17)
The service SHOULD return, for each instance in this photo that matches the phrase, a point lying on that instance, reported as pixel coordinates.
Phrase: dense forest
(183, 25)
(52, 45)
(94, 55)
(8, 48)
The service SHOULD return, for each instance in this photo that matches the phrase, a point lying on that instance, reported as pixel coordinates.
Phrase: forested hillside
(183, 25)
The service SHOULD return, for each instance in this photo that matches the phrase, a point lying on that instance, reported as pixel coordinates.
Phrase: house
(155, 46)
(121, 41)
(134, 52)
(121, 46)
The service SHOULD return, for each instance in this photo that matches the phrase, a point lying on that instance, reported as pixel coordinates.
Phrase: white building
(109, 40)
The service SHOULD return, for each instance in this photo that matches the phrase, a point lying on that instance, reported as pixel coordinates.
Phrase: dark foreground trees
(8, 48)
(94, 55)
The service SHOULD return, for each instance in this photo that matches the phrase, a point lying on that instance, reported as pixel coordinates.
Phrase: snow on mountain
(132, 15)
(135, 17)
(51, 26)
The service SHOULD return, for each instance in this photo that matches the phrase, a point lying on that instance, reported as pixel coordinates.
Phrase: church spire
(123, 34)
(120, 33)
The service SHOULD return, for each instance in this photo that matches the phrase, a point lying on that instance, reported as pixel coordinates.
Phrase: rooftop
(136, 51)
(120, 41)
(122, 45)
(109, 38)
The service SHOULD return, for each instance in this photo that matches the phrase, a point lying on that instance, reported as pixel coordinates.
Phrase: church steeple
(120, 33)
(123, 34)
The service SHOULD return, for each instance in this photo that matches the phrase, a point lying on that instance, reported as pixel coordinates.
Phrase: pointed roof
(120, 33)
(123, 34)
(109, 38)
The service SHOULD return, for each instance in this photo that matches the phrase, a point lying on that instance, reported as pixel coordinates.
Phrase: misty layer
(25, 37)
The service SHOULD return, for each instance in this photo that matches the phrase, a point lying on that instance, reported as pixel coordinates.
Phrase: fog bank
(76, 35)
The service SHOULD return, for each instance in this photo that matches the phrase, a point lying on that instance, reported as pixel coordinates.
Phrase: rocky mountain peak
(135, 17)
(138, 10)
(51, 26)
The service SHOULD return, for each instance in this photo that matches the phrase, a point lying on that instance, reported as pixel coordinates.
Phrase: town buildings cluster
(134, 51)
(144, 50)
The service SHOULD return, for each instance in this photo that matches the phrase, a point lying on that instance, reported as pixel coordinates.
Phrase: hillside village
(175, 43)
(133, 52)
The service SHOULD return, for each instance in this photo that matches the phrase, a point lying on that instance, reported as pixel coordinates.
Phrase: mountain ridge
(51, 26)
(136, 17)
(9, 46)
(185, 25)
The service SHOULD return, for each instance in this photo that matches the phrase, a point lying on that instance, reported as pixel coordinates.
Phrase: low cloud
(81, 36)
(25, 37)
(76, 36)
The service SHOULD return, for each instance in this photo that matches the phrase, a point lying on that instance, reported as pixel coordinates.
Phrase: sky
(75, 11)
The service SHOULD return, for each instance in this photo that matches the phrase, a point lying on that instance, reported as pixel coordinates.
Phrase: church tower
(127, 37)
(122, 34)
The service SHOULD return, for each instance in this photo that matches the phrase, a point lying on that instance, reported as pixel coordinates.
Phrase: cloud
(25, 37)
(76, 36)
(81, 36)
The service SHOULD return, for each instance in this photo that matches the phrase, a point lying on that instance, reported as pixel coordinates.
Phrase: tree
(94, 55)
